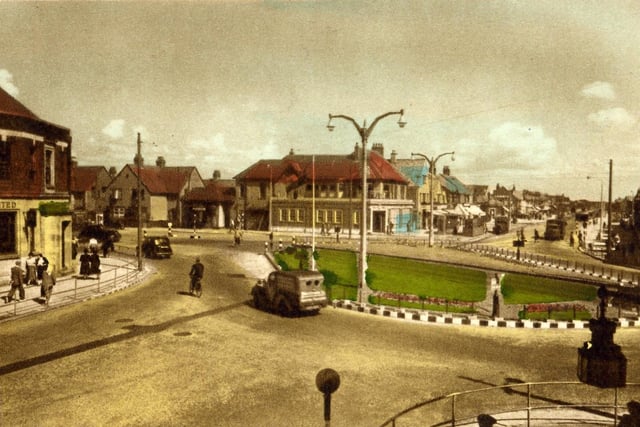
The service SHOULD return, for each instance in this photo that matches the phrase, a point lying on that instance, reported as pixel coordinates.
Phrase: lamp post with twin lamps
(364, 131)
(432, 170)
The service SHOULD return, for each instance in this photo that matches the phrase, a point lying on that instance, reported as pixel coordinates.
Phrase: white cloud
(600, 90)
(6, 82)
(511, 146)
(617, 118)
(115, 129)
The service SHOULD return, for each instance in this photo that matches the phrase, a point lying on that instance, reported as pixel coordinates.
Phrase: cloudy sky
(537, 94)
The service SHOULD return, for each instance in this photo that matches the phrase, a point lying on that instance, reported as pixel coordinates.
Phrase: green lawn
(523, 289)
(406, 276)
(438, 287)
(398, 275)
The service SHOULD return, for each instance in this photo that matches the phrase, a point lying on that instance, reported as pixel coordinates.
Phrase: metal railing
(74, 288)
(519, 403)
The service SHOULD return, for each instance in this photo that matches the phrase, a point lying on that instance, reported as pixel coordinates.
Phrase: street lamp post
(364, 131)
(601, 202)
(432, 169)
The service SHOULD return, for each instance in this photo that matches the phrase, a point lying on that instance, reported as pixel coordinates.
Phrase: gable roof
(165, 179)
(453, 184)
(328, 168)
(213, 191)
(84, 177)
(11, 106)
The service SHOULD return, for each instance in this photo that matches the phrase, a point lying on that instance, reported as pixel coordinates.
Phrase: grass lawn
(398, 275)
(523, 289)
(406, 276)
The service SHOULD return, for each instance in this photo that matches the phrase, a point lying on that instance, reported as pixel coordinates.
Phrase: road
(154, 356)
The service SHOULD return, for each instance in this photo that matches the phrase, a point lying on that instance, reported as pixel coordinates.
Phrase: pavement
(118, 271)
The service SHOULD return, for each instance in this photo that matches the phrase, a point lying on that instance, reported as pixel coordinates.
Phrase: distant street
(154, 356)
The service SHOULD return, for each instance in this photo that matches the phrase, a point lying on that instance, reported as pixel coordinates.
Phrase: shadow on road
(133, 332)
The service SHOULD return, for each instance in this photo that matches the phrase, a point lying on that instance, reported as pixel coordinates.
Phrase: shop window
(7, 233)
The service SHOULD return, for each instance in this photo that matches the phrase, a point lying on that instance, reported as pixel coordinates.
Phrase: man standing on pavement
(16, 282)
(48, 281)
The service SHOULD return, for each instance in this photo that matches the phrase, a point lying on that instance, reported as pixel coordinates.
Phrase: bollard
(327, 381)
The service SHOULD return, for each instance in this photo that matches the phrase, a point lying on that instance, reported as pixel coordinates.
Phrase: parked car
(98, 232)
(156, 247)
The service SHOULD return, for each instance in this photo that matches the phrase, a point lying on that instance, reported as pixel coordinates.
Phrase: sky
(533, 94)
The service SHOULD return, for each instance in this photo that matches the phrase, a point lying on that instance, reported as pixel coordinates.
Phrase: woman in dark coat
(85, 263)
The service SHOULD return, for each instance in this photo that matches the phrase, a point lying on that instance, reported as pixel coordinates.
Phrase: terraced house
(35, 178)
(285, 194)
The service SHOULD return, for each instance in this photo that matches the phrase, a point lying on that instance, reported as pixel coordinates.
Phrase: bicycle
(195, 287)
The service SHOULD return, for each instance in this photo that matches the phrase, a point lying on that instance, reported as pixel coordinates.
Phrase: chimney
(291, 152)
(357, 154)
(446, 171)
(74, 162)
(394, 157)
(216, 174)
(160, 162)
(378, 148)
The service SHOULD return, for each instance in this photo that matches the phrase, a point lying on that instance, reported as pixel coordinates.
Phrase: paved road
(154, 356)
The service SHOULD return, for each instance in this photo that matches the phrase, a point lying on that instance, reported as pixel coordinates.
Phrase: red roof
(11, 106)
(164, 180)
(84, 177)
(213, 191)
(330, 168)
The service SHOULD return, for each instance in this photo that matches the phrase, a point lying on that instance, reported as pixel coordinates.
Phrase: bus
(555, 229)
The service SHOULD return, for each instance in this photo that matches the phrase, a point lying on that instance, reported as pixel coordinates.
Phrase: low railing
(517, 403)
(70, 289)
(598, 270)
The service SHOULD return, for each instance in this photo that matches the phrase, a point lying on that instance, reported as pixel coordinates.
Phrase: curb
(461, 320)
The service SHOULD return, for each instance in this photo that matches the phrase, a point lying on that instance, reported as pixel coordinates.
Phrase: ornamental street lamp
(364, 131)
(432, 170)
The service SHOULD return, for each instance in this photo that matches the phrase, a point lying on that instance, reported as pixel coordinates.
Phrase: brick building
(35, 178)
(161, 196)
(89, 193)
(280, 194)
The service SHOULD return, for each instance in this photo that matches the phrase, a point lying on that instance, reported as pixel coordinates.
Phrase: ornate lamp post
(432, 170)
(364, 131)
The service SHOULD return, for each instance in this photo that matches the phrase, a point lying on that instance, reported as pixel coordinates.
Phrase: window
(356, 216)
(118, 212)
(263, 190)
(117, 194)
(49, 168)
(337, 217)
(5, 160)
(299, 215)
(8, 232)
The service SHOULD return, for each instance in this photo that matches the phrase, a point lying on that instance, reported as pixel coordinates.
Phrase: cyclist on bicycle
(196, 273)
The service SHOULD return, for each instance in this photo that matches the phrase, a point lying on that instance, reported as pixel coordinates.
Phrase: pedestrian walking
(94, 258)
(85, 263)
(42, 264)
(107, 246)
(17, 282)
(32, 273)
(46, 287)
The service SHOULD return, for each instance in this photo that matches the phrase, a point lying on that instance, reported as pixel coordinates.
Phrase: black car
(156, 247)
(98, 232)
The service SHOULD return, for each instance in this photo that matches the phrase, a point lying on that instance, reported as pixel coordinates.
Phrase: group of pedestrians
(36, 272)
(90, 262)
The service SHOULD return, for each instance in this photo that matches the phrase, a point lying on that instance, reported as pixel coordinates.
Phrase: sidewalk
(118, 271)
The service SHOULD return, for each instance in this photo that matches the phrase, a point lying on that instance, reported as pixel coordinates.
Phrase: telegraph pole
(139, 247)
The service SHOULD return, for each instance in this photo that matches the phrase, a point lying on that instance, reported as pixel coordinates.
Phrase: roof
(453, 184)
(213, 191)
(329, 168)
(165, 179)
(85, 177)
(11, 106)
